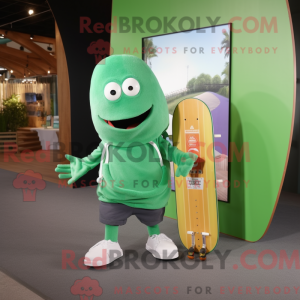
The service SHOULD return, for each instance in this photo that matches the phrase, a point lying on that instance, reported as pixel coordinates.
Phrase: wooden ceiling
(17, 25)
(39, 24)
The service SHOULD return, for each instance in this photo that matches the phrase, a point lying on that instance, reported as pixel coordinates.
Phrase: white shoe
(162, 247)
(103, 253)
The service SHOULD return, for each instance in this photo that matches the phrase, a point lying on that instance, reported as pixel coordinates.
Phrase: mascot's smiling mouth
(129, 123)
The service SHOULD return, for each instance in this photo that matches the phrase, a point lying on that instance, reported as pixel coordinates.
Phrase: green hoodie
(130, 113)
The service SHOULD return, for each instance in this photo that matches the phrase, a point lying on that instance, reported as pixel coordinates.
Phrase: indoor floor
(44, 241)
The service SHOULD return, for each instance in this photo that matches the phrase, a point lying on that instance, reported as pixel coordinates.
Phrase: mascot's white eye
(131, 87)
(112, 91)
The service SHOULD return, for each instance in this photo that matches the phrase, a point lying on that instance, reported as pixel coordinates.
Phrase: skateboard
(196, 194)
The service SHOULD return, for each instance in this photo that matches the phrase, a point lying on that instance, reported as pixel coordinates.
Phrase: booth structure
(262, 98)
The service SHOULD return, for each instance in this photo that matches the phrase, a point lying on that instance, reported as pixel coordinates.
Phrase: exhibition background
(262, 91)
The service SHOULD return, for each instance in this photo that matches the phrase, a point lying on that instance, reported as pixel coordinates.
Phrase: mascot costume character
(130, 115)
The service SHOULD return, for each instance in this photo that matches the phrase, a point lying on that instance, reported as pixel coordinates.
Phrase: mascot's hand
(186, 164)
(74, 170)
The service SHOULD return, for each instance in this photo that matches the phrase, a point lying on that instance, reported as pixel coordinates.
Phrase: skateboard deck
(196, 195)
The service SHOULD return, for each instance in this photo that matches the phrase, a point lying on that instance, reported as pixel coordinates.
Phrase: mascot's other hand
(74, 170)
(186, 164)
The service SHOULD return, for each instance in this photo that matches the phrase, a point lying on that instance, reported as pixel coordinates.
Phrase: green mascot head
(127, 102)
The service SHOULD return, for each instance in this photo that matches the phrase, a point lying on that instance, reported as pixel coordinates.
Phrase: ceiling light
(2, 36)
(48, 71)
(6, 79)
(21, 48)
(31, 36)
(49, 48)
(30, 11)
(11, 71)
(0, 74)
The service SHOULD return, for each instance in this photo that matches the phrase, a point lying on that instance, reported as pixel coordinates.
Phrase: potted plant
(12, 116)
(14, 113)
(2, 122)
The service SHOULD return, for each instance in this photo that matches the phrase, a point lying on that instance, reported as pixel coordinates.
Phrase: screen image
(39, 97)
(30, 97)
(196, 64)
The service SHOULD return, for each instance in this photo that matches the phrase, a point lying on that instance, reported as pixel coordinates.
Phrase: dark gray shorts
(117, 214)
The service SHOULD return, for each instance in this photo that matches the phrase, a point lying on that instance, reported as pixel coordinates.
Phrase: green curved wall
(262, 99)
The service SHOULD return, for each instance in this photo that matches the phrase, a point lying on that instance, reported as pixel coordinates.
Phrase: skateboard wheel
(191, 253)
(202, 254)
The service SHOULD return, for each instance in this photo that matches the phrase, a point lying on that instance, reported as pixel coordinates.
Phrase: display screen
(196, 64)
(30, 97)
(39, 97)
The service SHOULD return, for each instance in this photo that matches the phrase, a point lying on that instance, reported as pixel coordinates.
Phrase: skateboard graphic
(196, 195)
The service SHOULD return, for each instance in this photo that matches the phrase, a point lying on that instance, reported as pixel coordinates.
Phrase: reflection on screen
(195, 64)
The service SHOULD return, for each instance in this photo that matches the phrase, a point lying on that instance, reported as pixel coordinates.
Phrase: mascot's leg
(158, 243)
(153, 230)
(111, 233)
(106, 251)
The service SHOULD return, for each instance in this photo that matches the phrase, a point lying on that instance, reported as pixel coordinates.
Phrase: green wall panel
(171, 210)
(262, 99)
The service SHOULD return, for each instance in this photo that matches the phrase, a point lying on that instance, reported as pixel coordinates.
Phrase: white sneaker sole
(89, 262)
(156, 254)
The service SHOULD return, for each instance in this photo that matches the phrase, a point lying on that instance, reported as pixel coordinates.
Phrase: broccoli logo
(29, 182)
(86, 288)
(100, 49)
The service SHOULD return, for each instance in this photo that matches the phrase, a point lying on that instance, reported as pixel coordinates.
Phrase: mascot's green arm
(92, 160)
(183, 160)
(78, 167)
